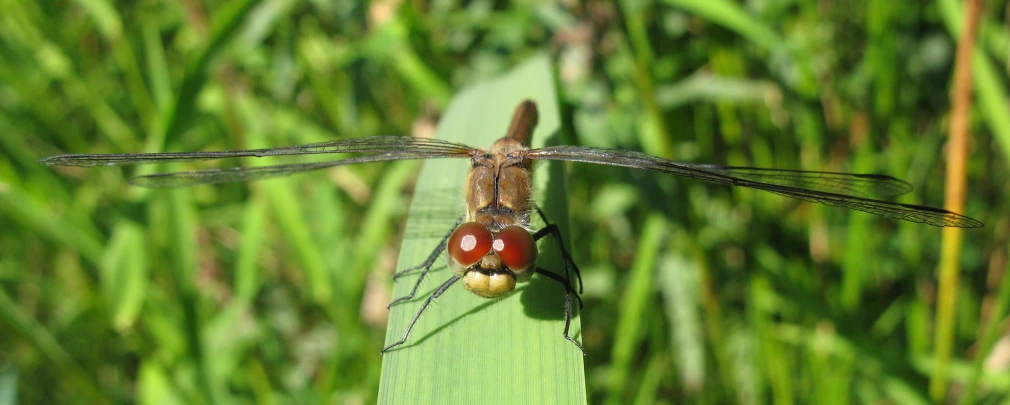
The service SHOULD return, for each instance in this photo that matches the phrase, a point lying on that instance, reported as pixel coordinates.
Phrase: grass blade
(512, 348)
(43, 341)
(634, 307)
(125, 274)
(949, 272)
(289, 212)
(680, 287)
(732, 16)
(992, 95)
(178, 116)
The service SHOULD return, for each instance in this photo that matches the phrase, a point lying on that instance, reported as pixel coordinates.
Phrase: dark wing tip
(73, 160)
(52, 160)
(898, 186)
(961, 221)
(939, 217)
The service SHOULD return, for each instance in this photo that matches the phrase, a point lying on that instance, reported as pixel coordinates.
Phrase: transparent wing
(406, 146)
(858, 185)
(853, 191)
(383, 148)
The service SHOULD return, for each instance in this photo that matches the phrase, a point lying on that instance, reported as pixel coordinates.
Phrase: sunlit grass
(273, 292)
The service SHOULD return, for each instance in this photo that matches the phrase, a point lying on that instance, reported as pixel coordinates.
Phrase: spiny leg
(552, 229)
(568, 304)
(567, 282)
(445, 286)
(426, 265)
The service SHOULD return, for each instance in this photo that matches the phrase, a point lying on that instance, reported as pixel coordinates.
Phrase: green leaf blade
(464, 348)
(125, 274)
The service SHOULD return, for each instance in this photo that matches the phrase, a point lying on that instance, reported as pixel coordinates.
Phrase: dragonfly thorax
(500, 180)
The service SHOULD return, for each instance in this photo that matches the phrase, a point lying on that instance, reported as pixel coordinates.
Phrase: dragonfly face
(491, 264)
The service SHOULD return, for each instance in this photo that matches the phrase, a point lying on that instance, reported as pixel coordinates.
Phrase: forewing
(857, 185)
(404, 146)
(381, 148)
(853, 191)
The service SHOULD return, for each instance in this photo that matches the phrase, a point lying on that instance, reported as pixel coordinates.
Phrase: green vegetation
(509, 337)
(275, 291)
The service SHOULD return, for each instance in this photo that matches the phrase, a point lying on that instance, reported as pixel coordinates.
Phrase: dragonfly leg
(563, 280)
(426, 265)
(445, 286)
(568, 303)
(553, 230)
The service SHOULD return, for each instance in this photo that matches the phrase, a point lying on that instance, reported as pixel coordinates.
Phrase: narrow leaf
(124, 274)
(467, 349)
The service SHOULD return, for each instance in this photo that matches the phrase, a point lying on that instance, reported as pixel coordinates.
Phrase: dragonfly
(493, 246)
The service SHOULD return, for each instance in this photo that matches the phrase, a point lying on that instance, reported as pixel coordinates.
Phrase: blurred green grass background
(694, 293)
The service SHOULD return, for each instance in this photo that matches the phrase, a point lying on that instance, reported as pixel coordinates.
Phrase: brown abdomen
(523, 122)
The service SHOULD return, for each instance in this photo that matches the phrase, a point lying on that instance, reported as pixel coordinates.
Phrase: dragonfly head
(491, 263)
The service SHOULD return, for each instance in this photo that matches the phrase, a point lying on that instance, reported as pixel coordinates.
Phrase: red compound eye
(469, 243)
(516, 248)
